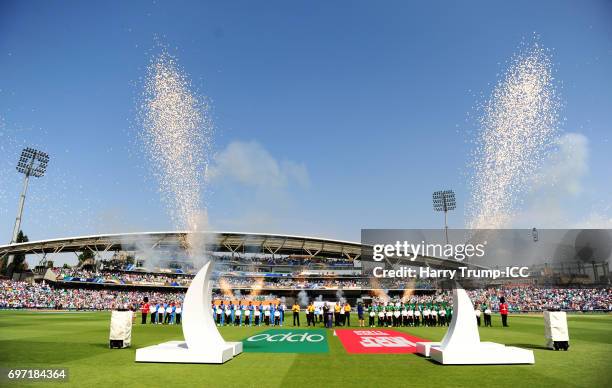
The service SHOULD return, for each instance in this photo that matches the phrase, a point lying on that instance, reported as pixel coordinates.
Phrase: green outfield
(78, 341)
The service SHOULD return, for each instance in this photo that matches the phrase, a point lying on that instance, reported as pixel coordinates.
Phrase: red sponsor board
(377, 341)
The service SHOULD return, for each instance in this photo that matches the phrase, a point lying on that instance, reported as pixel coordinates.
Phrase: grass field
(78, 341)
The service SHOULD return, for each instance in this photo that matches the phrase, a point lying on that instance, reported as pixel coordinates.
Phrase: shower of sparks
(517, 131)
(226, 289)
(256, 288)
(408, 290)
(377, 291)
(177, 133)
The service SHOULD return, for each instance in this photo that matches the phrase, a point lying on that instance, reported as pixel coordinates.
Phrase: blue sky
(364, 107)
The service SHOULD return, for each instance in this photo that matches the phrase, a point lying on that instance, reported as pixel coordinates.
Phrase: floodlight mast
(444, 200)
(31, 163)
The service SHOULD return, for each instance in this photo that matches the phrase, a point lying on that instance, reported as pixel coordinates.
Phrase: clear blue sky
(371, 99)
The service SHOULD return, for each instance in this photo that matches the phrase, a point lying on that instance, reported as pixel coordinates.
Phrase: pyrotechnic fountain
(517, 130)
(518, 126)
(177, 134)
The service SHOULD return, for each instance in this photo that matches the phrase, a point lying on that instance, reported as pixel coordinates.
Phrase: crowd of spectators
(524, 295)
(15, 294)
(43, 296)
(183, 280)
(525, 299)
(286, 261)
(122, 277)
(293, 283)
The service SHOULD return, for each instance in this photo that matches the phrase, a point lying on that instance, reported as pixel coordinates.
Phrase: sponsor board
(287, 341)
(377, 341)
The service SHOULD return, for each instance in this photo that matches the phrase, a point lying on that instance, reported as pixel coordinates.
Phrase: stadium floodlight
(443, 201)
(32, 162)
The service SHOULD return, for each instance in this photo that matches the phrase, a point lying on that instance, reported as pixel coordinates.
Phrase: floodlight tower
(443, 201)
(31, 163)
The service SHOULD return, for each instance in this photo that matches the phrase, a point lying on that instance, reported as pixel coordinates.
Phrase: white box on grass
(120, 329)
(555, 330)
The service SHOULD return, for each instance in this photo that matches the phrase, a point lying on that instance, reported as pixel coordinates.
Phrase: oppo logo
(289, 337)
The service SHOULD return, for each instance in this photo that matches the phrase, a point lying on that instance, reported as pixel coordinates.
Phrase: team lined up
(161, 313)
(337, 314)
(408, 314)
(273, 314)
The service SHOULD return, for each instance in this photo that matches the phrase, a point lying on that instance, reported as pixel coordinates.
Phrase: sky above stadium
(329, 117)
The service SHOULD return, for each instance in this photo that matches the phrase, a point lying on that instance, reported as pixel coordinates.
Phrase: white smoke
(303, 298)
(600, 219)
(557, 185)
(258, 188)
(564, 170)
(153, 259)
(249, 164)
(340, 296)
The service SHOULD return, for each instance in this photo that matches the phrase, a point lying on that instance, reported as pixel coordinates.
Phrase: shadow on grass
(529, 346)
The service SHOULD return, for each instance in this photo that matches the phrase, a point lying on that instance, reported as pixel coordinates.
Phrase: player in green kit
(389, 315)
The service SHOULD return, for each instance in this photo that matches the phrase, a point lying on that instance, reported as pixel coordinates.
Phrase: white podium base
(177, 352)
(237, 347)
(423, 348)
(483, 353)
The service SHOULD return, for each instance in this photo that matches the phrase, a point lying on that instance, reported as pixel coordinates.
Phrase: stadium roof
(228, 242)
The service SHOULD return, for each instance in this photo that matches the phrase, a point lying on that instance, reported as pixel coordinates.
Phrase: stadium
(250, 266)
(268, 272)
(297, 194)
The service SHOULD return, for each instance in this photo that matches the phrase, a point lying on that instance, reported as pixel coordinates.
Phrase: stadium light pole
(443, 201)
(534, 235)
(32, 162)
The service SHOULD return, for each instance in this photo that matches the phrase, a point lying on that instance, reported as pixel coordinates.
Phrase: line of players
(228, 313)
(398, 314)
(380, 315)
(273, 314)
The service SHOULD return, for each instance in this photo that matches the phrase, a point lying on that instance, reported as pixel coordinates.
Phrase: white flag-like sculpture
(203, 343)
(461, 344)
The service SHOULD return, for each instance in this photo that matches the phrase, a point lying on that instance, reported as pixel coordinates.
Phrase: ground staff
(296, 313)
